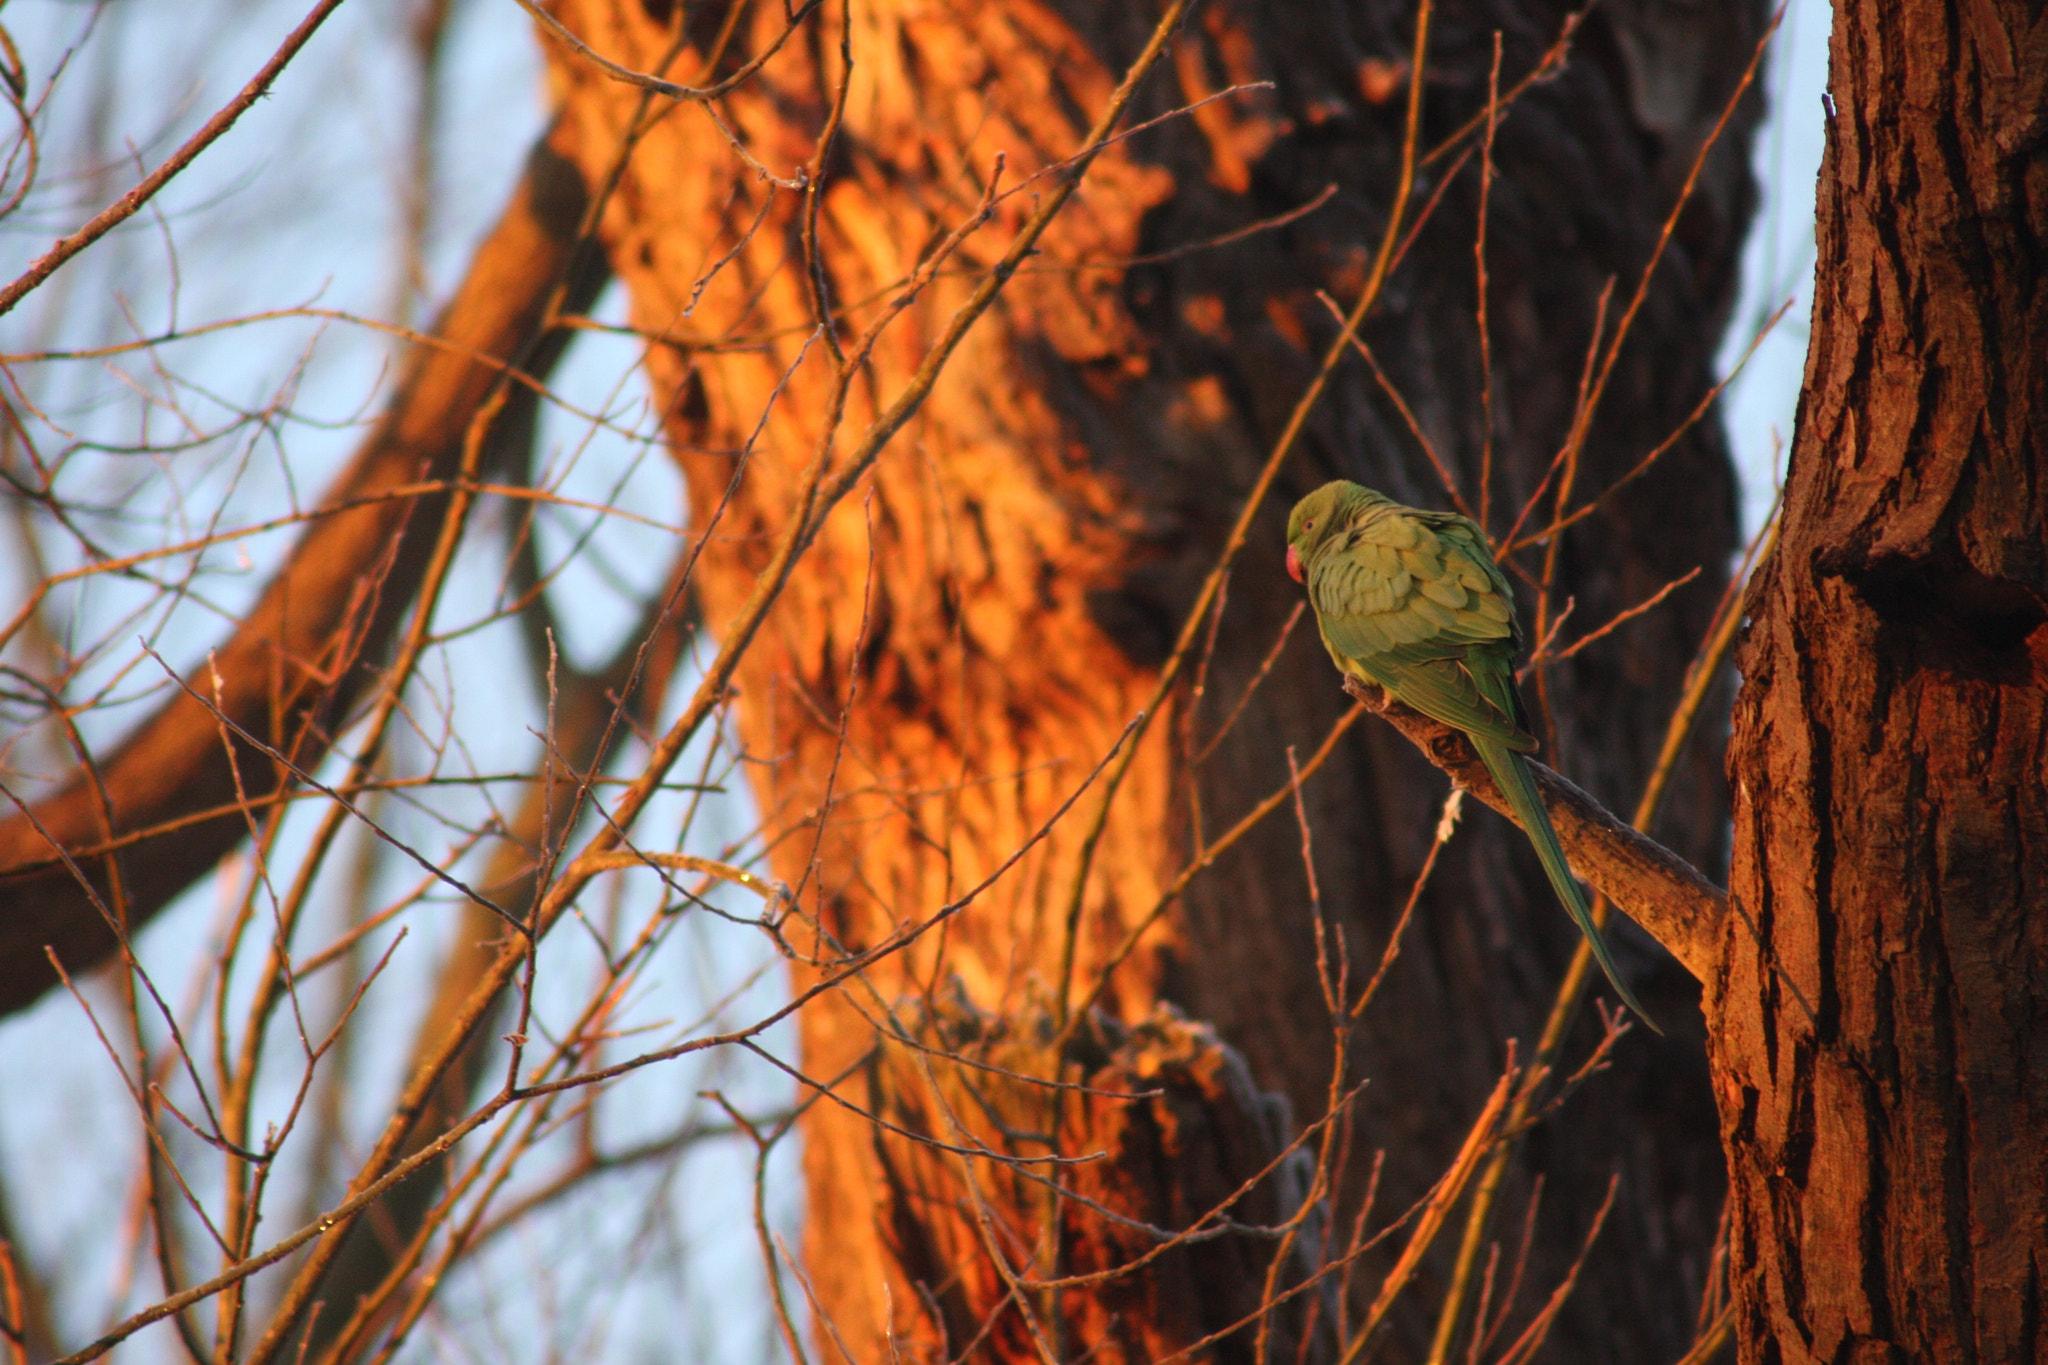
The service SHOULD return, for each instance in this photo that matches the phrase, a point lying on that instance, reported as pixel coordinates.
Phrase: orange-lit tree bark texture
(1879, 1030)
(997, 600)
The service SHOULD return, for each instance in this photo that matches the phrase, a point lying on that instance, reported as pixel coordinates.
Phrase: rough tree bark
(1879, 1031)
(988, 615)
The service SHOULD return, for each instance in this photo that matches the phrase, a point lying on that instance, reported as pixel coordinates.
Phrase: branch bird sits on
(1411, 601)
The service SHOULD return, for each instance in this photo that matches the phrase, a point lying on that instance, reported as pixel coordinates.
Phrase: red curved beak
(1294, 569)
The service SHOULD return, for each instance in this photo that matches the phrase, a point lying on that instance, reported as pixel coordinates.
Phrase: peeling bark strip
(1887, 1149)
(1164, 1143)
(994, 603)
(308, 651)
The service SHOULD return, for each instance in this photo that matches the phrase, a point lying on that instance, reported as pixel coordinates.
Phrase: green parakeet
(1413, 602)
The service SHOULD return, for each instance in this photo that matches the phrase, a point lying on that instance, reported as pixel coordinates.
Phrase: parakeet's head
(1318, 516)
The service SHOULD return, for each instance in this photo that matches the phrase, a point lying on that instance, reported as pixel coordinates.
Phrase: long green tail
(1511, 772)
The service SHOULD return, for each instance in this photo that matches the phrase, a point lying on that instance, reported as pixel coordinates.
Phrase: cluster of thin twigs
(247, 1082)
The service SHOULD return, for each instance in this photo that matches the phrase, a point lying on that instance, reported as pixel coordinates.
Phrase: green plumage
(1413, 602)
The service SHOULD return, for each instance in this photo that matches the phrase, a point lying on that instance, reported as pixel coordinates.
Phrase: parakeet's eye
(1309, 525)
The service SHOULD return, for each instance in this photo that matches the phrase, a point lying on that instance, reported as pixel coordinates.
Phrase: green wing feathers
(1421, 610)
(1511, 773)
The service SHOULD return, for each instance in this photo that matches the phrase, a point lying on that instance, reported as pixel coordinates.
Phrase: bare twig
(126, 206)
(655, 84)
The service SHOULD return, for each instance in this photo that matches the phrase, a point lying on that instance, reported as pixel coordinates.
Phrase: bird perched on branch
(1412, 601)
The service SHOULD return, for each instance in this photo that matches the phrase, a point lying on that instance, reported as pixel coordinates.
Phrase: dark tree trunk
(1880, 1028)
(992, 610)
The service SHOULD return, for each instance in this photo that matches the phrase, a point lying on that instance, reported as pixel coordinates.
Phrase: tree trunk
(975, 629)
(1880, 1027)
